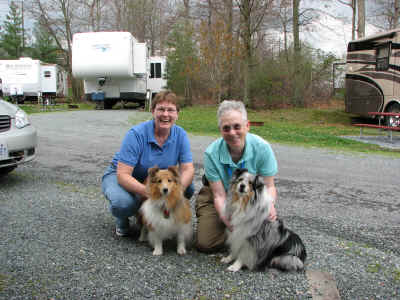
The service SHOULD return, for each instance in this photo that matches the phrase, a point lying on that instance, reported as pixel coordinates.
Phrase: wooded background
(216, 49)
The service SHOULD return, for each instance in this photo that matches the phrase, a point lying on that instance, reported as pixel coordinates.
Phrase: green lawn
(305, 127)
(321, 128)
(37, 108)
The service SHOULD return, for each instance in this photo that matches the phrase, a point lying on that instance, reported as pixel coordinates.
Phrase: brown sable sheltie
(166, 213)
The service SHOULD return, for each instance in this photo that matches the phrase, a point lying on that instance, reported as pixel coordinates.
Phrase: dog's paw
(226, 259)
(157, 251)
(181, 251)
(235, 267)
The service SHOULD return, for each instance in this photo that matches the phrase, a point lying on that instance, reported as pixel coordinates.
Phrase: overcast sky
(332, 32)
(3, 10)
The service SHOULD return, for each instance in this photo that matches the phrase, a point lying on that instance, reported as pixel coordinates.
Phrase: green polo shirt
(258, 158)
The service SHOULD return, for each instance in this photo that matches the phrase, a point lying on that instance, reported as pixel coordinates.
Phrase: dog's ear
(152, 171)
(239, 172)
(174, 170)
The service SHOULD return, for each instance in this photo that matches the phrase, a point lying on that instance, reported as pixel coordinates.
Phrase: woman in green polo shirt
(237, 148)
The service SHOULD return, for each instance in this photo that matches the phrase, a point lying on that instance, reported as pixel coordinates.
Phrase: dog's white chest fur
(162, 221)
(164, 226)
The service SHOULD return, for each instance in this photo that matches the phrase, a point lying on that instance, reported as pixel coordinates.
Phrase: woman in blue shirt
(158, 142)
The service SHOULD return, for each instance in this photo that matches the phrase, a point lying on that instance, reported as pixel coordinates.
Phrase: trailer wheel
(391, 120)
(20, 100)
(4, 171)
(108, 104)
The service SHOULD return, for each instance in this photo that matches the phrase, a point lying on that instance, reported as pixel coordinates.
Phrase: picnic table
(390, 129)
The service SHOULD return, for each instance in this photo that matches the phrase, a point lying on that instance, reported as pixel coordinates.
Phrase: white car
(18, 138)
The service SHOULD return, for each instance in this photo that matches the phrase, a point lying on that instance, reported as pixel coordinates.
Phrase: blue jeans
(124, 204)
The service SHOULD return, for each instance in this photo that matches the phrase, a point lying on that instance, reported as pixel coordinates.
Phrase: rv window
(155, 70)
(382, 58)
(47, 74)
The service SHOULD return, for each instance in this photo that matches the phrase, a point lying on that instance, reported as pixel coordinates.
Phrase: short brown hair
(166, 96)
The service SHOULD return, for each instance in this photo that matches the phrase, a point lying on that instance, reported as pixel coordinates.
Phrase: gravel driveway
(57, 237)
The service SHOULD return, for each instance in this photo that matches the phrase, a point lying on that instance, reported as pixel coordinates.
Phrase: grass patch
(374, 268)
(396, 275)
(307, 127)
(38, 108)
(3, 282)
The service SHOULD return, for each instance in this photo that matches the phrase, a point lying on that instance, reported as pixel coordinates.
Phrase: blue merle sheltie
(255, 241)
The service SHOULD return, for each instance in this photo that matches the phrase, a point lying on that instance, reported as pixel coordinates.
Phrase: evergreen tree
(182, 61)
(44, 47)
(11, 34)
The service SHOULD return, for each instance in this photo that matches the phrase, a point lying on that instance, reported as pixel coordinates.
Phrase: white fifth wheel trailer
(29, 79)
(21, 77)
(114, 67)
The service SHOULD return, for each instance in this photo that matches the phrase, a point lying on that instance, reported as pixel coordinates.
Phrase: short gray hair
(228, 105)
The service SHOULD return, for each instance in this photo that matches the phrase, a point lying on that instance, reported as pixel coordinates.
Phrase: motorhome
(114, 67)
(32, 79)
(373, 75)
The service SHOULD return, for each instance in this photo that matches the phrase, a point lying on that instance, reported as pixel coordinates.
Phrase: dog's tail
(287, 263)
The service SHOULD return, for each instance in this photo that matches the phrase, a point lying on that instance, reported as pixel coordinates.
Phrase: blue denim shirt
(140, 150)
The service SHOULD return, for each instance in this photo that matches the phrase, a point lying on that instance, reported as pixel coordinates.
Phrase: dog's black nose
(242, 188)
(165, 190)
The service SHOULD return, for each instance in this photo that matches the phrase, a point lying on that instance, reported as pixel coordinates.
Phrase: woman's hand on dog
(227, 223)
(272, 213)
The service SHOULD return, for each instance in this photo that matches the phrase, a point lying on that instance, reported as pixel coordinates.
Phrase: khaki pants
(211, 234)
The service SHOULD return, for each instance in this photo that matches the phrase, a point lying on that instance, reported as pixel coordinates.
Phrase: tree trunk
(361, 19)
(396, 14)
(297, 88)
(229, 8)
(353, 20)
(188, 84)
(246, 21)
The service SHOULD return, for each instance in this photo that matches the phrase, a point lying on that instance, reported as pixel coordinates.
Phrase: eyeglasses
(162, 110)
(227, 128)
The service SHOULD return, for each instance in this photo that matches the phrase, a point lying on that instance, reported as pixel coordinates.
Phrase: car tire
(6, 170)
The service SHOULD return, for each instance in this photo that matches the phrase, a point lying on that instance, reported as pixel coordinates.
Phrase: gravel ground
(57, 237)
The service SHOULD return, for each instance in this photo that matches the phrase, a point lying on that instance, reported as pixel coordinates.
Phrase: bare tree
(285, 18)
(385, 14)
(396, 15)
(297, 95)
(361, 18)
(188, 30)
(222, 36)
(252, 15)
(91, 14)
(352, 5)
(358, 16)
(57, 16)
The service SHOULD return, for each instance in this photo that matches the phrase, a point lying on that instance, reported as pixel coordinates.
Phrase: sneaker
(121, 232)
